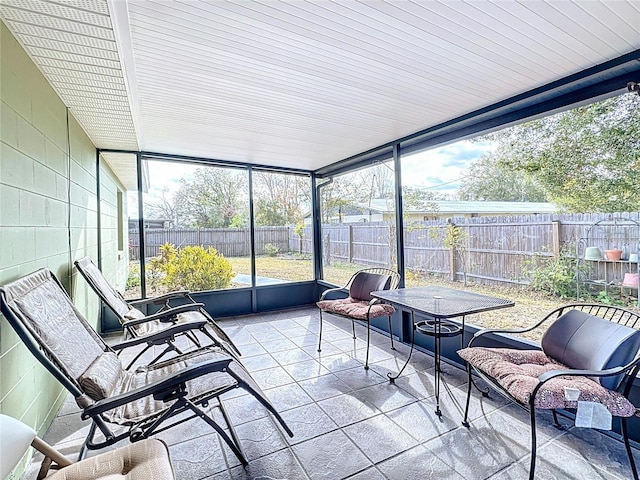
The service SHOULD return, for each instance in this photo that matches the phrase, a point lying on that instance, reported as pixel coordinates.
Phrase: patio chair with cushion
(143, 401)
(162, 327)
(354, 301)
(148, 459)
(589, 354)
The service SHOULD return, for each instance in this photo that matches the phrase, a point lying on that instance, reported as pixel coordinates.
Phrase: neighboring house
(382, 210)
(151, 223)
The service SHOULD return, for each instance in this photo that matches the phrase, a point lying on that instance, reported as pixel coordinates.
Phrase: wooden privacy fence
(231, 242)
(492, 250)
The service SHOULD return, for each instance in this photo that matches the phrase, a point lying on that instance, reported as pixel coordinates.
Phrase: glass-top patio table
(439, 305)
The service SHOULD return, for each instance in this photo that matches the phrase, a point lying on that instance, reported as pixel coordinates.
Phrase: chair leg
(556, 423)
(627, 445)
(87, 440)
(532, 467)
(465, 420)
(353, 328)
(391, 333)
(366, 362)
(230, 441)
(320, 333)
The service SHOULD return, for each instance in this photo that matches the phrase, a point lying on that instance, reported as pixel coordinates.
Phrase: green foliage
(299, 229)
(133, 280)
(212, 199)
(607, 298)
(556, 275)
(491, 180)
(454, 238)
(193, 268)
(271, 250)
(279, 198)
(587, 159)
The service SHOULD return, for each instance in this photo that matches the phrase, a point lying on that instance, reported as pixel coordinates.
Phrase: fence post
(556, 225)
(350, 245)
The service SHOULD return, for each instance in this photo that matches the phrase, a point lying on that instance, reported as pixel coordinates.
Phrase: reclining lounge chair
(162, 327)
(143, 401)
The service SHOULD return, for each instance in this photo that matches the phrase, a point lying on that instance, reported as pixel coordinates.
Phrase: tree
(280, 199)
(162, 207)
(586, 159)
(421, 199)
(213, 199)
(488, 178)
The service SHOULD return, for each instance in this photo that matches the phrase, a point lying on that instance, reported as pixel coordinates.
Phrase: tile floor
(352, 423)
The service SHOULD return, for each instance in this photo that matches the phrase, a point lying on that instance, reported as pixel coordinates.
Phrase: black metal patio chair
(354, 301)
(589, 353)
(143, 401)
(162, 327)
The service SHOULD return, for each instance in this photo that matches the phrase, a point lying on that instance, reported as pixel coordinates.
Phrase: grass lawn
(530, 306)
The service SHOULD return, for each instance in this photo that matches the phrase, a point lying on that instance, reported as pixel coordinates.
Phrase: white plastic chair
(143, 460)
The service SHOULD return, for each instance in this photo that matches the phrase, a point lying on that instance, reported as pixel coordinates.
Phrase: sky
(441, 169)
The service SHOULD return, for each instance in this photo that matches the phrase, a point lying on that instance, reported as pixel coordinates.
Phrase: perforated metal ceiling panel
(73, 44)
(303, 84)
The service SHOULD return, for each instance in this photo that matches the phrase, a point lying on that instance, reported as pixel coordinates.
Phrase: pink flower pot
(613, 254)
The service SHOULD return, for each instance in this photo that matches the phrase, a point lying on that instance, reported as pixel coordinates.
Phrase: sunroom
(294, 140)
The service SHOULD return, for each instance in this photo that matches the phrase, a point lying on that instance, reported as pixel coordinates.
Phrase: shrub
(133, 280)
(271, 250)
(193, 268)
(556, 275)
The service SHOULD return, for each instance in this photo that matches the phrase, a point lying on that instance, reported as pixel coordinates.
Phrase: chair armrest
(161, 298)
(165, 315)
(162, 336)
(334, 294)
(487, 331)
(545, 377)
(178, 379)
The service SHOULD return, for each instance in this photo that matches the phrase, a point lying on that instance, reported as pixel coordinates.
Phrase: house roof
(459, 207)
(302, 85)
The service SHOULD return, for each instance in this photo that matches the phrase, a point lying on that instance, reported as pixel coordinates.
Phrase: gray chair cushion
(364, 283)
(585, 342)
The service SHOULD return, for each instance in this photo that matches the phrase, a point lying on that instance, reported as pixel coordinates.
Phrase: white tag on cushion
(571, 394)
(593, 415)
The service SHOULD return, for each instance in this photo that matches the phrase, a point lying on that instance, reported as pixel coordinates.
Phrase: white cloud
(442, 168)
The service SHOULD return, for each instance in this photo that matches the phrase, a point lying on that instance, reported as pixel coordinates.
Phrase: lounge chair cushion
(137, 461)
(153, 326)
(204, 385)
(100, 379)
(586, 342)
(517, 371)
(353, 308)
(144, 328)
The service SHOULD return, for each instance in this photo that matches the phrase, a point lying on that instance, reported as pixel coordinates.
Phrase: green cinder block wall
(48, 218)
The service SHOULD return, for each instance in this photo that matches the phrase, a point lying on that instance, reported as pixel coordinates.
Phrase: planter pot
(592, 253)
(630, 280)
(613, 254)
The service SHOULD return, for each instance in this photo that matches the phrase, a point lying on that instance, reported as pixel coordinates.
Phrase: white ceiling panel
(303, 84)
